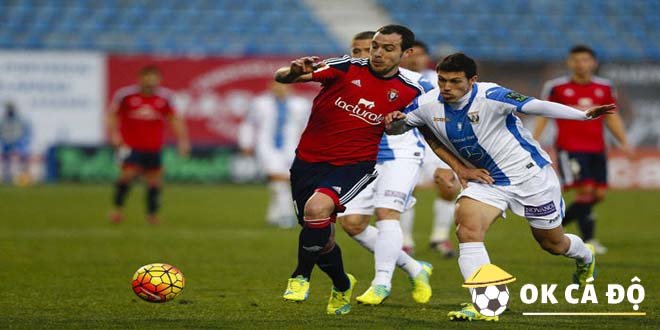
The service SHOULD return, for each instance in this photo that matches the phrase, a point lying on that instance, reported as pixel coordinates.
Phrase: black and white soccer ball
(491, 300)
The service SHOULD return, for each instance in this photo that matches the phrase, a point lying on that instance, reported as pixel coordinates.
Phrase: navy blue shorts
(582, 168)
(143, 160)
(341, 183)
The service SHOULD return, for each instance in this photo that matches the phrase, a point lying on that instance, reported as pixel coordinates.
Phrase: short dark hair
(149, 69)
(582, 49)
(458, 62)
(407, 36)
(422, 45)
(364, 35)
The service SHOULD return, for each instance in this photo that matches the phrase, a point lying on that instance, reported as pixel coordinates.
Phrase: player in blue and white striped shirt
(478, 122)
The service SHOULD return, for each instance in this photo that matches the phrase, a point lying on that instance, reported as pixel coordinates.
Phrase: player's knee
(469, 231)
(318, 208)
(387, 214)
(599, 194)
(553, 246)
(353, 225)
(448, 193)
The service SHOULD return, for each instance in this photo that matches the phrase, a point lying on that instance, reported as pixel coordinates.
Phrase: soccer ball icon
(158, 283)
(491, 300)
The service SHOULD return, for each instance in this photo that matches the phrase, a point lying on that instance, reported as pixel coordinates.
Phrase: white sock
(386, 251)
(578, 250)
(272, 213)
(407, 219)
(283, 199)
(471, 256)
(368, 238)
(443, 216)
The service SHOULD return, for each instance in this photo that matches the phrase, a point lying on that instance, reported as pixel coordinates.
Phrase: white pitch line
(587, 314)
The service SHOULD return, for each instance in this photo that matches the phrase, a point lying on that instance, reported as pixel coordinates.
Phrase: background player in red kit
(137, 126)
(581, 144)
(337, 152)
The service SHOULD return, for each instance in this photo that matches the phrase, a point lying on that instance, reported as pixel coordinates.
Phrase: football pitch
(62, 265)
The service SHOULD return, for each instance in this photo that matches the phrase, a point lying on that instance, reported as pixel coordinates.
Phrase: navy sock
(121, 190)
(576, 211)
(310, 243)
(153, 199)
(587, 226)
(331, 263)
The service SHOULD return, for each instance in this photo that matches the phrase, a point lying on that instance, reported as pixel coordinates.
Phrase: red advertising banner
(213, 94)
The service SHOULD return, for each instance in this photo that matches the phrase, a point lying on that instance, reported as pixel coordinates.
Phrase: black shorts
(143, 160)
(341, 183)
(582, 168)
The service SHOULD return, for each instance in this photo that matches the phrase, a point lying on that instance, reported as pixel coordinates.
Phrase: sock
(121, 190)
(368, 238)
(587, 224)
(310, 242)
(153, 199)
(272, 213)
(283, 199)
(472, 256)
(443, 216)
(331, 263)
(407, 220)
(576, 210)
(577, 250)
(386, 250)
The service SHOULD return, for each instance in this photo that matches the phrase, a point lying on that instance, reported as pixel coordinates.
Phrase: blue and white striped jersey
(409, 144)
(485, 133)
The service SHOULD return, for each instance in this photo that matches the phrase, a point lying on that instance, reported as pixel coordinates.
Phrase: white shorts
(538, 199)
(430, 164)
(392, 189)
(275, 162)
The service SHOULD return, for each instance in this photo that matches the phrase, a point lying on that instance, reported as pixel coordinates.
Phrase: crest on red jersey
(392, 95)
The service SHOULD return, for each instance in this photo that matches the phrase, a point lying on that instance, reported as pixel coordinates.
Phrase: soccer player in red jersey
(337, 152)
(136, 123)
(581, 144)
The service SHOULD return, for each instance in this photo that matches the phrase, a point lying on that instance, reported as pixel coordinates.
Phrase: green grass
(63, 266)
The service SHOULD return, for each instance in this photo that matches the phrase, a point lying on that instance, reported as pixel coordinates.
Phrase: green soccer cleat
(340, 302)
(375, 295)
(585, 273)
(469, 313)
(422, 291)
(297, 289)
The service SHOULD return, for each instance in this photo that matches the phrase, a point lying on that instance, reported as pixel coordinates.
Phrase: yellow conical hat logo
(488, 275)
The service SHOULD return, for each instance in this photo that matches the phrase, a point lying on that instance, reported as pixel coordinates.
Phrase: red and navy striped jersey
(347, 118)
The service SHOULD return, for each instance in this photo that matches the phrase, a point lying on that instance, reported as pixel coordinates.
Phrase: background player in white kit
(477, 122)
(399, 162)
(271, 131)
(435, 173)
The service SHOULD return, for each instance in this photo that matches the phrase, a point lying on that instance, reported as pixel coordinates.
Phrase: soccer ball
(491, 300)
(158, 283)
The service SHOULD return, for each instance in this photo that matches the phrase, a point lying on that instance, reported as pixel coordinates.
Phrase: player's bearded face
(386, 53)
(454, 85)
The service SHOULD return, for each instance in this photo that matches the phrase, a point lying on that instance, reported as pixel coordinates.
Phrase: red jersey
(573, 135)
(142, 117)
(346, 122)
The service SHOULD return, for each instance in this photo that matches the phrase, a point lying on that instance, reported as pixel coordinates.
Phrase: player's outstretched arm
(300, 70)
(560, 111)
(463, 172)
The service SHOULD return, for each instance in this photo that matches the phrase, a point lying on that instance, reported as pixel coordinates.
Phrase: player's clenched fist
(304, 65)
(394, 116)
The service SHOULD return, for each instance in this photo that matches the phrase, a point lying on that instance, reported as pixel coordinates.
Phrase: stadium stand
(526, 30)
(223, 27)
(618, 29)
